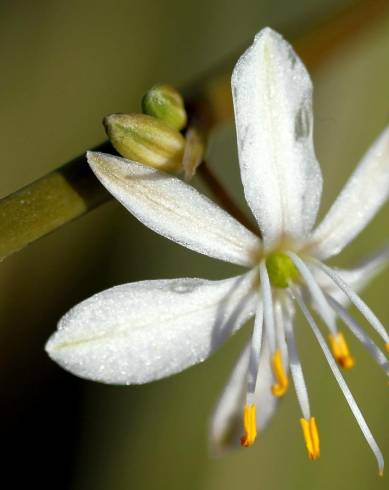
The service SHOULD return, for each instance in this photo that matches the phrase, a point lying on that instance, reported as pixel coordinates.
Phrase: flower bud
(146, 140)
(165, 103)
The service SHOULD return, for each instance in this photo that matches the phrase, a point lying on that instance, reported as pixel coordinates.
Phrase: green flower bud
(165, 103)
(146, 140)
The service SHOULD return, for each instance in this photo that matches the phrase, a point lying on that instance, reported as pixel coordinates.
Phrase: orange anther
(250, 426)
(311, 437)
(280, 387)
(341, 351)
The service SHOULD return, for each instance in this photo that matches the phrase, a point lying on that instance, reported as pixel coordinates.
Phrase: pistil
(281, 270)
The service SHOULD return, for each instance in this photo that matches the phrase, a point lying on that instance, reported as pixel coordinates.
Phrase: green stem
(48, 203)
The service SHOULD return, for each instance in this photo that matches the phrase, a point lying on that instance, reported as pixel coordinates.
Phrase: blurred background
(64, 66)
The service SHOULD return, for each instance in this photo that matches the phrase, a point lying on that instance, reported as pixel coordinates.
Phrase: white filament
(317, 294)
(296, 370)
(360, 334)
(268, 313)
(255, 353)
(356, 300)
(280, 330)
(343, 386)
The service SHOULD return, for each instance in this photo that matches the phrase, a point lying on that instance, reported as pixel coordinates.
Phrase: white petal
(226, 426)
(356, 278)
(363, 195)
(175, 210)
(139, 332)
(272, 94)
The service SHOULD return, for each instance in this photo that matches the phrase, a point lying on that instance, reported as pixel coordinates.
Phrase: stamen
(280, 387)
(360, 334)
(255, 354)
(317, 294)
(268, 313)
(341, 351)
(250, 426)
(387, 346)
(280, 311)
(296, 370)
(356, 300)
(343, 386)
(311, 436)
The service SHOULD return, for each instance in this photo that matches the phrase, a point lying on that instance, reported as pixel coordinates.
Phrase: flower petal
(226, 425)
(272, 94)
(175, 210)
(139, 332)
(357, 278)
(362, 196)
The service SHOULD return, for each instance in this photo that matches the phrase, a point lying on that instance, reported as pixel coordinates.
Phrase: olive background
(64, 65)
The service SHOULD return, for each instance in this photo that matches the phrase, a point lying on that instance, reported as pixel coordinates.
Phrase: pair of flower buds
(154, 138)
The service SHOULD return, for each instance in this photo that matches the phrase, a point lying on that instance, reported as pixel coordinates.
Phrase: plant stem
(48, 203)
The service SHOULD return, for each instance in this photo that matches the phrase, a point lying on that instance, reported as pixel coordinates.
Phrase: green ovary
(281, 270)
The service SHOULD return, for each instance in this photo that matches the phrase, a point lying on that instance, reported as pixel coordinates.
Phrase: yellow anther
(280, 387)
(341, 351)
(311, 437)
(387, 346)
(250, 426)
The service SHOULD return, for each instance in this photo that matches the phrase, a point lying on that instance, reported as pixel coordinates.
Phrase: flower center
(281, 270)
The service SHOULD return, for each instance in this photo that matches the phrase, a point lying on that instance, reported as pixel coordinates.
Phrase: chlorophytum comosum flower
(139, 332)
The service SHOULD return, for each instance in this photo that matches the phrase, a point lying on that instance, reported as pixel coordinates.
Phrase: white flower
(139, 332)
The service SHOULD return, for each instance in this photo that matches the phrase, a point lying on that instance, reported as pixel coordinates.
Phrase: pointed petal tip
(267, 34)
(267, 39)
(93, 159)
(90, 155)
(264, 39)
(54, 350)
(49, 346)
(96, 158)
(56, 343)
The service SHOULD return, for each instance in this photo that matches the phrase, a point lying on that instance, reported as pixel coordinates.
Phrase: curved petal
(272, 94)
(357, 278)
(175, 210)
(362, 196)
(226, 425)
(143, 331)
